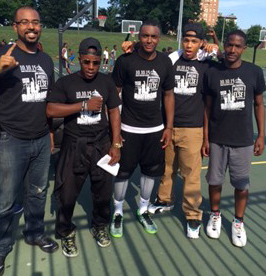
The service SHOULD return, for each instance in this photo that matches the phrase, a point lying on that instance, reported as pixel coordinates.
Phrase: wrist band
(83, 106)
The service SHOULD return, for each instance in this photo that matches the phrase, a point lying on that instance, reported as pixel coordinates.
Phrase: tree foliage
(224, 26)
(166, 12)
(7, 9)
(253, 34)
(55, 12)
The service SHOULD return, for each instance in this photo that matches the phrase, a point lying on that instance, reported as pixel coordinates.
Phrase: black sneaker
(101, 236)
(45, 243)
(69, 245)
(159, 207)
(2, 265)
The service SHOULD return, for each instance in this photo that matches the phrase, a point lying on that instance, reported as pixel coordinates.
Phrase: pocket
(4, 136)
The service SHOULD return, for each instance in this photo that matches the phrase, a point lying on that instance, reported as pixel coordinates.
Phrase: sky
(248, 12)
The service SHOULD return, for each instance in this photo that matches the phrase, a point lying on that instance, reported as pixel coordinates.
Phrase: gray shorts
(237, 159)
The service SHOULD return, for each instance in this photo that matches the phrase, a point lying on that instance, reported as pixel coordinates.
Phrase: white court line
(252, 163)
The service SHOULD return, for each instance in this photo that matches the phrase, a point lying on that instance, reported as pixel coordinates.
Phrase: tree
(55, 12)
(253, 34)
(7, 9)
(166, 12)
(224, 26)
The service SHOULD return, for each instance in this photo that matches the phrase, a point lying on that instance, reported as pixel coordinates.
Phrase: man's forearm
(259, 114)
(169, 104)
(58, 110)
(115, 121)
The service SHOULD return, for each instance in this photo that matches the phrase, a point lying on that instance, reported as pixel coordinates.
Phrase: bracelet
(86, 106)
(117, 145)
(83, 106)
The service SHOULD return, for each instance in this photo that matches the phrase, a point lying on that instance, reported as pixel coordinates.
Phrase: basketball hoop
(102, 20)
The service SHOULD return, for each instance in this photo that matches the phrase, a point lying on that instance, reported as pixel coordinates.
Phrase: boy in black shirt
(231, 88)
(26, 75)
(185, 150)
(81, 98)
(146, 76)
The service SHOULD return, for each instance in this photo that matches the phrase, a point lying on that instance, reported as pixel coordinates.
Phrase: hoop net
(102, 20)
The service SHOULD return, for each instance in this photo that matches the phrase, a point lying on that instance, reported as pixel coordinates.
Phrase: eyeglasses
(87, 62)
(25, 22)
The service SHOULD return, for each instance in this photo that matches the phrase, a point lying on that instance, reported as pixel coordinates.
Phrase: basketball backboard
(262, 35)
(130, 26)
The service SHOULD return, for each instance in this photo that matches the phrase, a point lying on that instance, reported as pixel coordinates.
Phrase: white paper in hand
(103, 163)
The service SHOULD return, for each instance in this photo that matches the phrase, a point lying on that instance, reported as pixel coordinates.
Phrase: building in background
(209, 11)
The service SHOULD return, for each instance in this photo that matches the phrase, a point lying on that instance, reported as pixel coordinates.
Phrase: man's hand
(166, 138)
(51, 141)
(7, 62)
(209, 47)
(128, 46)
(259, 146)
(95, 104)
(115, 155)
(205, 149)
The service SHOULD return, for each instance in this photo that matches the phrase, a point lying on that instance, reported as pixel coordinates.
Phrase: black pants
(77, 160)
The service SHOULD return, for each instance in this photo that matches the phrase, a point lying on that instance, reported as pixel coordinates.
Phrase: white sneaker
(239, 236)
(193, 228)
(214, 225)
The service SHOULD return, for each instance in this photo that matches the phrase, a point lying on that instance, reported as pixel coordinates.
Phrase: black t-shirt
(23, 93)
(143, 82)
(189, 105)
(74, 88)
(232, 92)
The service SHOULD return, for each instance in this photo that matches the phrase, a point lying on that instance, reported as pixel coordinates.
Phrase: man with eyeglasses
(26, 75)
(81, 98)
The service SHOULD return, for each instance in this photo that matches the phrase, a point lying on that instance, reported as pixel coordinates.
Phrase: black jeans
(77, 160)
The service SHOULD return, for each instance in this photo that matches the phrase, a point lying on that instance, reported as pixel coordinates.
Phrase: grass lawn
(49, 39)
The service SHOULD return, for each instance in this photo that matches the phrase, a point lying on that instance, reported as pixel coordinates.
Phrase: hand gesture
(259, 146)
(128, 46)
(166, 138)
(95, 104)
(8, 62)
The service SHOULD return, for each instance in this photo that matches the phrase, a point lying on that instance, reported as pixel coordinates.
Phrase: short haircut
(23, 8)
(238, 33)
(150, 22)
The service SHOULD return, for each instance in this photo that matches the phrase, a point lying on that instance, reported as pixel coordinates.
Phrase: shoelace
(214, 221)
(117, 221)
(147, 218)
(102, 235)
(239, 228)
(70, 242)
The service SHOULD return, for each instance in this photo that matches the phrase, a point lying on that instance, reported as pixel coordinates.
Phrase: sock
(143, 205)
(118, 207)
(239, 218)
(146, 186)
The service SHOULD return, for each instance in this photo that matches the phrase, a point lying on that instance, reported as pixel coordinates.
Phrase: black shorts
(65, 63)
(144, 150)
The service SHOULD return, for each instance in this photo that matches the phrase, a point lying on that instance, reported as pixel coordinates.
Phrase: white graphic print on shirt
(186, 83)
(88, 117)
(146, 89)
(233, 98)
(34, 88)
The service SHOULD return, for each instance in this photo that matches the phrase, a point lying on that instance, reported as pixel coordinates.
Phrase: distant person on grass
(82, 99)
(146, 80)
(105, 59)
(27, 74)
(64, 56)
(112, 58)
(232, 89)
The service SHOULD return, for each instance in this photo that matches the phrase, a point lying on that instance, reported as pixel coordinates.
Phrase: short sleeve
(260, 84)
(113, 99)
(169, 81)
(119, 73)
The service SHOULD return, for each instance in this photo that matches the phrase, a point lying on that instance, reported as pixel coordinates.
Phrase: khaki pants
(184, 153)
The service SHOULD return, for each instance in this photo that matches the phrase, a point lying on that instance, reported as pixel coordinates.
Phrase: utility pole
(179, 27)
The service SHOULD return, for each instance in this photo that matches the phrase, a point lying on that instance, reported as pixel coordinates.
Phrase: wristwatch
(117, 145)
